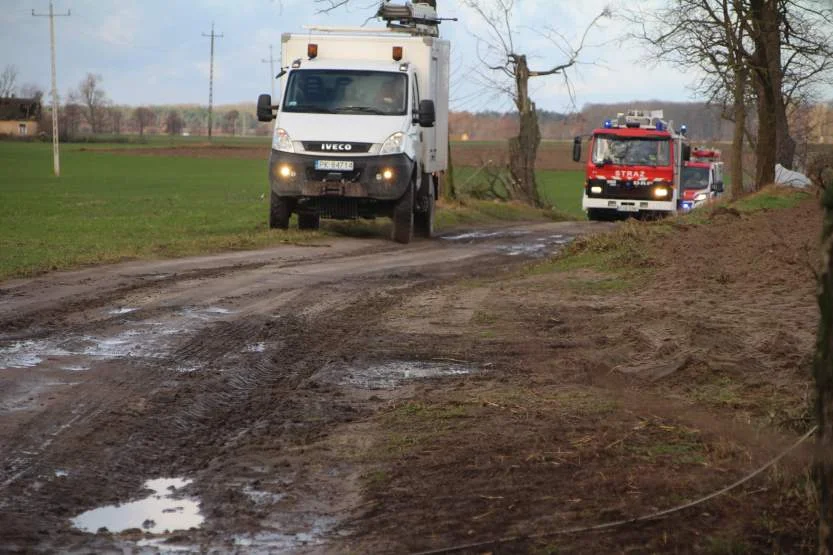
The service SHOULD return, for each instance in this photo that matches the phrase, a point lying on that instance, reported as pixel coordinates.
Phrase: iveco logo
(336, 146)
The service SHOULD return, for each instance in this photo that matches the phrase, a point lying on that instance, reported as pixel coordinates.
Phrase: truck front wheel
(403, 217)
(280, 209)
(424, 219)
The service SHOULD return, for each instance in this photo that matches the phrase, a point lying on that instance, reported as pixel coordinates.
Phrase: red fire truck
(701, 178)
(634, 167)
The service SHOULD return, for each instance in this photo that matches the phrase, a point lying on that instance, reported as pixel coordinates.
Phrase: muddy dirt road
(218, 395)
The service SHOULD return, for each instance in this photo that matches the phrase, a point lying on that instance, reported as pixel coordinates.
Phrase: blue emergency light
(660, 126)
(608, 124)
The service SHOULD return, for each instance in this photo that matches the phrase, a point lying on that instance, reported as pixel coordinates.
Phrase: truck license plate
(334, 165)
(628, 208)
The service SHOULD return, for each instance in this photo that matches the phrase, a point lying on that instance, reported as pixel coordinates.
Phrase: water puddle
(118, 311)
(146, 339)
(474, 235)
(276, 542)
(255, 348)
(259, 497)
(28, 354)
(539, 248)
(159, 513)
(390, 375)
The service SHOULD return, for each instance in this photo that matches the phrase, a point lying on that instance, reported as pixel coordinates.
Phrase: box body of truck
(353, 137)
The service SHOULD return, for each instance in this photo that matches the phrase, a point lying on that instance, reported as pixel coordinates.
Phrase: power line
(271, 62)
(56, 155)
(211, 78)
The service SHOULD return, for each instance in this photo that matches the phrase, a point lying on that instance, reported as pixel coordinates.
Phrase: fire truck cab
(634, 167)
(701, 179)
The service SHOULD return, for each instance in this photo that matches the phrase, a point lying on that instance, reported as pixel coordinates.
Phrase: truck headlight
(394, 144)
(281, 141)
(660, 192)
(701, 197)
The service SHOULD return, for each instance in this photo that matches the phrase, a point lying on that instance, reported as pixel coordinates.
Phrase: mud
(234, 372)
(364, 397)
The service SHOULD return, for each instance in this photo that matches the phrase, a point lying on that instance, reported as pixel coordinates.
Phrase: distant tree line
(813, 122)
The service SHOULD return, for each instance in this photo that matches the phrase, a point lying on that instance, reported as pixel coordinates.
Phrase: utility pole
(211, 78)
(271, 62)
(56, 155)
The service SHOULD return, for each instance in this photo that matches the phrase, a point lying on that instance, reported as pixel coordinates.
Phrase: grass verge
(109, 207)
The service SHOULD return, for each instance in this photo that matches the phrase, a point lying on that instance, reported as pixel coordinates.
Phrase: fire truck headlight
(660, 192)
(701, 197)
(596, 190)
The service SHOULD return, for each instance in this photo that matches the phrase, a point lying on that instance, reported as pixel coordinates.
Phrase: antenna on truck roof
(418, 18)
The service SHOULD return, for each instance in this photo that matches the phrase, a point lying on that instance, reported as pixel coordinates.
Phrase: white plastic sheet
(783, 176)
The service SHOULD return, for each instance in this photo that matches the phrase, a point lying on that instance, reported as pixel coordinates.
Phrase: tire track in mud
(239, 380)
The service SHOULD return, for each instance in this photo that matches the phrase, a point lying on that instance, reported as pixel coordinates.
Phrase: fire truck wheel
(280, 209)
(403, 217)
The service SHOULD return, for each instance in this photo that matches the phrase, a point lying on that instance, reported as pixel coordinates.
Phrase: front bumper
(300, 179)
(631, 206)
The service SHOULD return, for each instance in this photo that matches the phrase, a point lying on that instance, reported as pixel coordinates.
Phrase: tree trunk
(766, 149)
(767, 75)
(823, 373)
(739, 109)
(523, 149)
(448, 190)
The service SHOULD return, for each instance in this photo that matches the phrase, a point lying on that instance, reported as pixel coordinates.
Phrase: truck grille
(336, 148)
(622, 190)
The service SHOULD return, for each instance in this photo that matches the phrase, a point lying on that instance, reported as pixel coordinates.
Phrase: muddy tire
(403, 217)
(280, 209)
(424, 219)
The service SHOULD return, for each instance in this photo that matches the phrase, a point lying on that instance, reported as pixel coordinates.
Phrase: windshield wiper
(362, 109)
(309, 108)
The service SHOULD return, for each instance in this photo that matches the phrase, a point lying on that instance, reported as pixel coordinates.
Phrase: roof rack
(418, 18)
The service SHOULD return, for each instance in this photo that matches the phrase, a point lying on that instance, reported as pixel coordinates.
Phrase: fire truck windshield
(630, 151)
(694, 178)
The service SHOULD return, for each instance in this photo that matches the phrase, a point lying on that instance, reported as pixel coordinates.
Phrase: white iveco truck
(361, 126)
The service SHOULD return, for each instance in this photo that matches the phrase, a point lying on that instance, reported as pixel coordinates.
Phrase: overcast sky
(153, 51)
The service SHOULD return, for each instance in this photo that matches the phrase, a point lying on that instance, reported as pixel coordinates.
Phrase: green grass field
(108, 207)
(560, 189)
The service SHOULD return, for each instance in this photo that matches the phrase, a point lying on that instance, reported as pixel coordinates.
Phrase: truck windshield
(694, 178)
(630, 151)
(332, 91)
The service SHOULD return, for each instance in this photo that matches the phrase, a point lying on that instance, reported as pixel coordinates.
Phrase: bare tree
(230, 121)
(773, 51)
(503, 57)
(143, 117)
(71, 120)
(94, 100)
(116, 118)
(174, 123)
(30, 90)
(7, 81)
